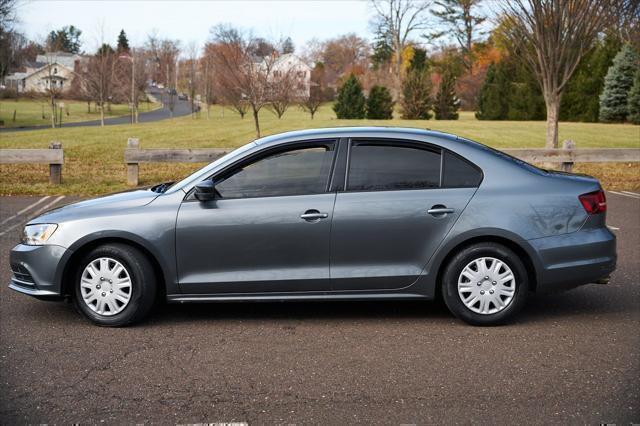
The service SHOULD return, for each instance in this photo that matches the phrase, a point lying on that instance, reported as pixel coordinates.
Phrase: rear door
(395, 209)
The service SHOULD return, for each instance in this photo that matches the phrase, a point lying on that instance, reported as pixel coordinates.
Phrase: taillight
(594, 202)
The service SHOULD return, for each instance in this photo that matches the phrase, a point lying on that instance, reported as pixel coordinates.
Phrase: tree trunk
(553, 114)
(53, 113)
(256, 120)
(102, 113)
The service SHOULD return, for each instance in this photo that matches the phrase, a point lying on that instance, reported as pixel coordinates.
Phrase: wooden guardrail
(54, 157)
(566, 156)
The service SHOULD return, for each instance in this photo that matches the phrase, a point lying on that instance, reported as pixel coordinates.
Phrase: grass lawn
(34, 112)
(94, 157)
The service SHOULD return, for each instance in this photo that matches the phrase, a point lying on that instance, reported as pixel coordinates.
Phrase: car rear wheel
(485, 284)
(115, 285)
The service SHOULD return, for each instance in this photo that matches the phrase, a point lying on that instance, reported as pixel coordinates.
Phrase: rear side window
(459, 172)
(388, 167)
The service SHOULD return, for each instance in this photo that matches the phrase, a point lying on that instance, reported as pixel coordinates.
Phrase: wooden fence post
(55, 170)
(568, 145)
(133, 168)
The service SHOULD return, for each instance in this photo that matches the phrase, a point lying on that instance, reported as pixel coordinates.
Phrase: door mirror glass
(205, 190)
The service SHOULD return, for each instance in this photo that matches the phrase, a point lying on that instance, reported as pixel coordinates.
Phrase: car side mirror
(205, 190)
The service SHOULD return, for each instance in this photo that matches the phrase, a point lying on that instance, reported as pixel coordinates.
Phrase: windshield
(506, 156)
(195, 175)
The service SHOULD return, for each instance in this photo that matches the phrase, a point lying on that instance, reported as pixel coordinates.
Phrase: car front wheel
(115, 285)
(485, 284)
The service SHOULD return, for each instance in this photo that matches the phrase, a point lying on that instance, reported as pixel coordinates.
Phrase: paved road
(181, 108)
(571, 358)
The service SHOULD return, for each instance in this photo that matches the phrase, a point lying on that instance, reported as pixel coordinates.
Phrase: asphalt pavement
(570, 358)
(181, 107)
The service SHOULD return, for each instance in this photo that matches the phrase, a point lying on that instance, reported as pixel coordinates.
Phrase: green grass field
(31, 112)
(94, 156)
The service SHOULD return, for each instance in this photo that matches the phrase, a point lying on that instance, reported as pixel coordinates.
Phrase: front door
(392, 216)
(268, 230)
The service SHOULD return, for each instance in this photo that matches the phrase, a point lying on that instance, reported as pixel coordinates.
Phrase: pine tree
(493, 102)
(416, 96)
(380, 104)
(614, 98)
(350, 102)
(580, 101)
(123, 42)
(447, 103)
(634, 100)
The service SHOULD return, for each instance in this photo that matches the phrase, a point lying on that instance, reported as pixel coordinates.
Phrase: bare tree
(191, 65)
(283, 90)
(552, 36)
(130, 79)
(311, 103)
(98, 77)
(398, 20)
(54, 83)
(206, 66)
(241, 76)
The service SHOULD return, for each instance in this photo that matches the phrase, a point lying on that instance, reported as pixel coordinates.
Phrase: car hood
(96, 206)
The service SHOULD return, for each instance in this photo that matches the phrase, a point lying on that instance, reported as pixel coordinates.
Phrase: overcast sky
(191, 20)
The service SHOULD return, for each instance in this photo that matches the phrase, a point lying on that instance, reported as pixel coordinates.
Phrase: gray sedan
(329, 214)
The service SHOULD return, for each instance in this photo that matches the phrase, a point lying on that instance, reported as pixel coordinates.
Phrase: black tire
(143, 285)
(465, 256)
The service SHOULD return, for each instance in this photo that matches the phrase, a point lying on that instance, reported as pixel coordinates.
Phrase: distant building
(53, 69)
(300, 70)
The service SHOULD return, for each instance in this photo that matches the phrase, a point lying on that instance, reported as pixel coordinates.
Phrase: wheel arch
(506, 238)
(81, 247)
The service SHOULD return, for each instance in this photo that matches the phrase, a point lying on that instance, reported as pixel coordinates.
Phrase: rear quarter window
(459, 173)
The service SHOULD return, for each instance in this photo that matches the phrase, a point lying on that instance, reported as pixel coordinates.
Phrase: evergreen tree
(447, 103)
(66, 39)
(350, 102)
(634, 100)
(416, 95)
(123, 42)
(380, 104)
(493, 102)
(287, 46)
(419, 60)
(580, 101)
(382, 50)
(614, 105)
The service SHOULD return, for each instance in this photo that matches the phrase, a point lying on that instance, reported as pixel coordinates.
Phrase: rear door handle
(440, 210)
(311, 215)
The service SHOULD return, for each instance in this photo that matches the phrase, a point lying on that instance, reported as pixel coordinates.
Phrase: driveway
(181, 108)
(571, 358)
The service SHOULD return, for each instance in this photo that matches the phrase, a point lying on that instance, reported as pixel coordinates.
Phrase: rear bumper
(571, 260)
(36, 270)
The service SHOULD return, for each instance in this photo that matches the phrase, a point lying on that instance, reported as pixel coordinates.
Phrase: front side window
(388, 167)
(297, 171)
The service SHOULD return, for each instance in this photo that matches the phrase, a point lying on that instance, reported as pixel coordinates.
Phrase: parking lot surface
(569, 358)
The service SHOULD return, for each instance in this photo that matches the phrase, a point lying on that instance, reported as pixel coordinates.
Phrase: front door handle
(440, 210)
(311, 215)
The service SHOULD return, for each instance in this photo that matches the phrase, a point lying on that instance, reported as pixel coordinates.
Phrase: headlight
(37, 235)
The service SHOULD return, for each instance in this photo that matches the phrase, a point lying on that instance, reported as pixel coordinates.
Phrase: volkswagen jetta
(329, 214)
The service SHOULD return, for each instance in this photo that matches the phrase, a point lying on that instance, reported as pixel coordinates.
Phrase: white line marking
(631, 193)
(613, 228)
(26, 209)
(637, 197)
(35, 214)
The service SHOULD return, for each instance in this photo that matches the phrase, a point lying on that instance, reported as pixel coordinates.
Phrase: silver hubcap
(106, 286)
(486, 285)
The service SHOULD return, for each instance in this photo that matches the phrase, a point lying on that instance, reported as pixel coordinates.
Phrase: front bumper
(37, 270)
(570, 260)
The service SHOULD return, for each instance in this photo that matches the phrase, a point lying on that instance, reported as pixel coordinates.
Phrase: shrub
(416, 100)
(380, 104)
(350, 103)
(447, 103)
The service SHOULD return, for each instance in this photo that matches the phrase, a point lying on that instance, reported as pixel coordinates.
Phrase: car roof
(363, 131)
